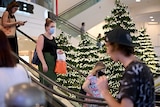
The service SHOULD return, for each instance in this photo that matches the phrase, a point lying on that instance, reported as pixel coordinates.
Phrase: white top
(10, 76)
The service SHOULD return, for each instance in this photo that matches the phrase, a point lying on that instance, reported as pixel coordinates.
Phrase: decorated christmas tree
(113, 73)
(119, 17)
(86, 57)
(147, 51)
(72, 78)
(83, 58)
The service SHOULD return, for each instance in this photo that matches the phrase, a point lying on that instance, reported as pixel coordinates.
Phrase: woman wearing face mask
(47, 52)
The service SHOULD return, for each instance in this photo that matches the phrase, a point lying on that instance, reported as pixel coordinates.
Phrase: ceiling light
(153, 23)
(151, 17)
(152, 20)
(138, 0)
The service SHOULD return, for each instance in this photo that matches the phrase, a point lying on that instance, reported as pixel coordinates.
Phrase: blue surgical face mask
(52, 30)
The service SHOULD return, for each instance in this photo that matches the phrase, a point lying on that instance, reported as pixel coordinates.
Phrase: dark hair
(12, 5)
(126, 50)
(100, 73)
(83, 23)
(98, 67)
(6, 57)
(48, 22)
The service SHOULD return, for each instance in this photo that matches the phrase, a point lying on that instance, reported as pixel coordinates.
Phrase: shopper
(137, 85)
(99, 40)
(10, 72)
(82, 30)
(47, 52)
(89, 86)
(9, 24)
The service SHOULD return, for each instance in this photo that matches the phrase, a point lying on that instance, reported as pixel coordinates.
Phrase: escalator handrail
(66, 97)
(54, 83)
(26, 35)
(81, 95)
(53, 92)
(60, 95)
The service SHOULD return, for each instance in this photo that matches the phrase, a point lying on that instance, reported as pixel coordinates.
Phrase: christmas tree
(113, 73)
(72, 78)
(86, 57)
(83, 58)
(119, 17)
(147, 51)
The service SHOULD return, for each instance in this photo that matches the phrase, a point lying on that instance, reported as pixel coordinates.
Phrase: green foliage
(86, 56)
(147, 51)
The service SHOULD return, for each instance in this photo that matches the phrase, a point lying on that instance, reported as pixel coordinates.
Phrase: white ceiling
(133, 2)
(141, 11)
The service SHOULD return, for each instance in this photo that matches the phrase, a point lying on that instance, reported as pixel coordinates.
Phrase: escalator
(50, 93)
(56, 96)
(72, 29)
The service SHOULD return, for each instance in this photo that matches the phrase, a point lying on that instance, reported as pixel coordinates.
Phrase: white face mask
(52, 30)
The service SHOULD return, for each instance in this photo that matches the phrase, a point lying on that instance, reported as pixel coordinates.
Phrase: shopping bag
(61, 66)
(35, 59)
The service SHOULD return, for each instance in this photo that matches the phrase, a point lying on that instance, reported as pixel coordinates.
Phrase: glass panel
(72, 30)
(44, 3)
(78, 8)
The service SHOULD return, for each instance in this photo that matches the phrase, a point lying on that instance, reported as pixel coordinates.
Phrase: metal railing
(62, 88)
